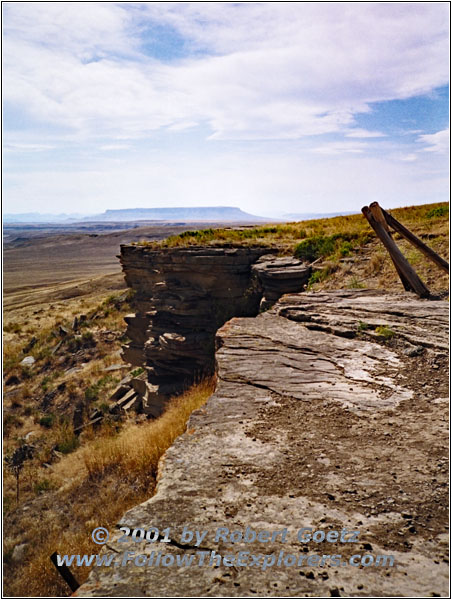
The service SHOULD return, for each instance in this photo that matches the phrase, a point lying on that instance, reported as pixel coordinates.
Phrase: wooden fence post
(379, 217)
(404, 269)
(429, 253)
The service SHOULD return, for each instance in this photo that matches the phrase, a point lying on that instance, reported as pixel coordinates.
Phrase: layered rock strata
(182, 296)
(320, 420)
(278, 276)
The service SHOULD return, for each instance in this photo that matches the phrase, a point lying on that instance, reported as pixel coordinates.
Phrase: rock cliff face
(182, 296)
(330, 413)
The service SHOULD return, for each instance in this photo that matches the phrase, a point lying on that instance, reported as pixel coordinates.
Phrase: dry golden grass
(138, 449)
(96, 485)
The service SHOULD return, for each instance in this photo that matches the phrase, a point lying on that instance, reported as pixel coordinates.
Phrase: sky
(273, 107)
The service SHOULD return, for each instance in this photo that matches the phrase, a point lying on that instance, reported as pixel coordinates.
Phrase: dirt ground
(373, 464)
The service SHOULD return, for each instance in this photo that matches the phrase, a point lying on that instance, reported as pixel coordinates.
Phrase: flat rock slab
(317, 422)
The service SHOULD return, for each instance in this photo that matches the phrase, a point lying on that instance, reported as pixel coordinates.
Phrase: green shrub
(439, 211)
(47, 421)
(355, 284)
(318, 276)
(88, 337)
(321, 246)
(385, 332)
(74, 344)
(43, 486)
(68, 441)
(137, 372)
(314, 247)
(12, 328)
(345, 248)
(92, 393)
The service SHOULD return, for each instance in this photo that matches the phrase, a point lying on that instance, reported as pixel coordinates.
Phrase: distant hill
(36, 217)
(308, 216)
(192, 213)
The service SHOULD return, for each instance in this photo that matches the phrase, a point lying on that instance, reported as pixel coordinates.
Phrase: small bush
(385, 332)
(355, 284)
(321, 246)
(137, 372)
(12, 328)
(47, 421)
(314, 247)
(68, 443)
(318, 277)
(345, 248)
(43, 486)
(74, 344)
(440, 211)
(8, 505)
(87, 337)
(92, 393)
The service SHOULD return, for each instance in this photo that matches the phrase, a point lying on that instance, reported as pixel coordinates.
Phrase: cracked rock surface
(320, 420)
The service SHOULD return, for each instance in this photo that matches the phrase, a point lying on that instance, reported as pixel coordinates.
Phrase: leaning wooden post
(379, 217)
(429, 253)
(400, 262)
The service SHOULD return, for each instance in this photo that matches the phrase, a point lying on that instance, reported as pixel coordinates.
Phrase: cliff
(182, 296)
(330, 413)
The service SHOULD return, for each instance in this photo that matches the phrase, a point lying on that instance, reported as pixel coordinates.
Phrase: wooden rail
(410, 280)
(429, 253)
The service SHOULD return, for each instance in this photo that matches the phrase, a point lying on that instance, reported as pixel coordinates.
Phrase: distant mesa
(212, 214)
(192, 213)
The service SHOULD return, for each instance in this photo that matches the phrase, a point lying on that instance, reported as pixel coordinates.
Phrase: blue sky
(273, 107)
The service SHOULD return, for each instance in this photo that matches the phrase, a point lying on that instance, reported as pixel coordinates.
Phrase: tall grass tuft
(138, 448)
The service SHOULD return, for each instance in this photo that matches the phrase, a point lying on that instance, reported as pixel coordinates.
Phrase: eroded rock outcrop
(320, 420)
(182, 296)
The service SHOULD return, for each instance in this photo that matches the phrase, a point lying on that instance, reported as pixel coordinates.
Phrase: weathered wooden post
(429, 253)
(407, 274)
(379, 217)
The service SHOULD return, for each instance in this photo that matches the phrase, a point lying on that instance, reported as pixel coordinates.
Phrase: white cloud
(363, 133)
(407, 157)
(256, 70)
(109, 147)
(341, 148)
(16, 147)
(436, 142)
